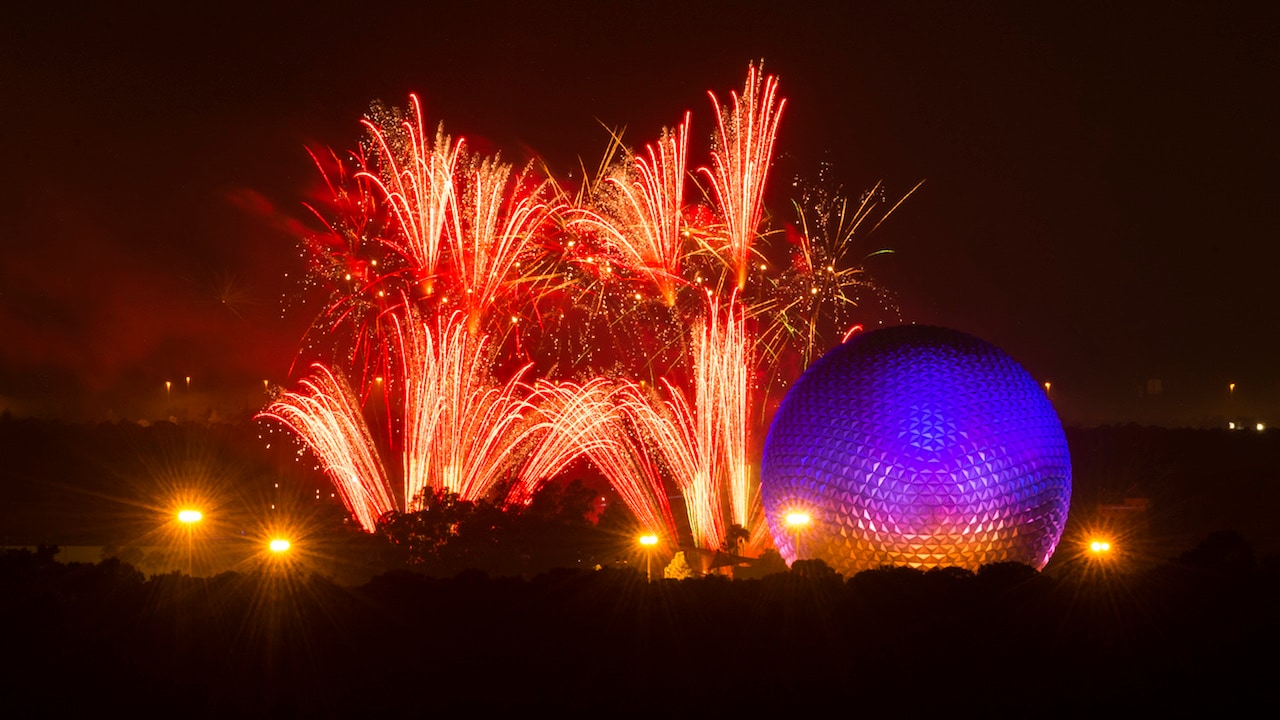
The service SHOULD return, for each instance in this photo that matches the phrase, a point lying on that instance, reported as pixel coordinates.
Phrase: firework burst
(629, 322)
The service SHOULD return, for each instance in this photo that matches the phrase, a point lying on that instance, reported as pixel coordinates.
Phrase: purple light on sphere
(917, 446)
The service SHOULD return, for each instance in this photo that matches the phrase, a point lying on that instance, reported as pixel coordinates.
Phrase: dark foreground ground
(1197, 635)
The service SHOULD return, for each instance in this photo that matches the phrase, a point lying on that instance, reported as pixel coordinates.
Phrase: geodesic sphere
(917, 446)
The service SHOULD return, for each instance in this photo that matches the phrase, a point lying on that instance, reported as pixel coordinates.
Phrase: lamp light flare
(648, 541)
(797, 519)
(278, 545)
(189, 516)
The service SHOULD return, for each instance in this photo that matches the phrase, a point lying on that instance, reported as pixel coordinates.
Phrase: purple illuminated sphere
(917, 446)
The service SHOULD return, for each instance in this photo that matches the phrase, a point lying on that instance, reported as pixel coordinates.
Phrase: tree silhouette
(678, 568)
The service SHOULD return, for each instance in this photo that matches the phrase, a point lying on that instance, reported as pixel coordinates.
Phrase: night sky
(1100, 194)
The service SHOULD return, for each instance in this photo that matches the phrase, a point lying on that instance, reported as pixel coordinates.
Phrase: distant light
(1099, 547)
(279, 545)
(1231, 425)
(649, 540)
(1261, 427)
(190, 516)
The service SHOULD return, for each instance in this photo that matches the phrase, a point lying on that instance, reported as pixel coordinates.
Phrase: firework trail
(417, 180)
(641, 221)
(325, 415)
(462, 431)
(587, 420)
(746, 131)
(501, 221)
(703, 444)
(722, 363)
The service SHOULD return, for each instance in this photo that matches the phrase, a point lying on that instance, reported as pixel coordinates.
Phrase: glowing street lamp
(278, 546)
(1100, 548)
(649, 541)
(797, 521)
(190, 518)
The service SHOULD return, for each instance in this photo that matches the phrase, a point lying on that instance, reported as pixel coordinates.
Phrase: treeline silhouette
(1193, 635)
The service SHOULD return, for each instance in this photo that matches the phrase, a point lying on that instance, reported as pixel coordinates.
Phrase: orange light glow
(798, 519)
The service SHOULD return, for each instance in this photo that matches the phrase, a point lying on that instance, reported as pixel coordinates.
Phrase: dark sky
(1100, 193)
